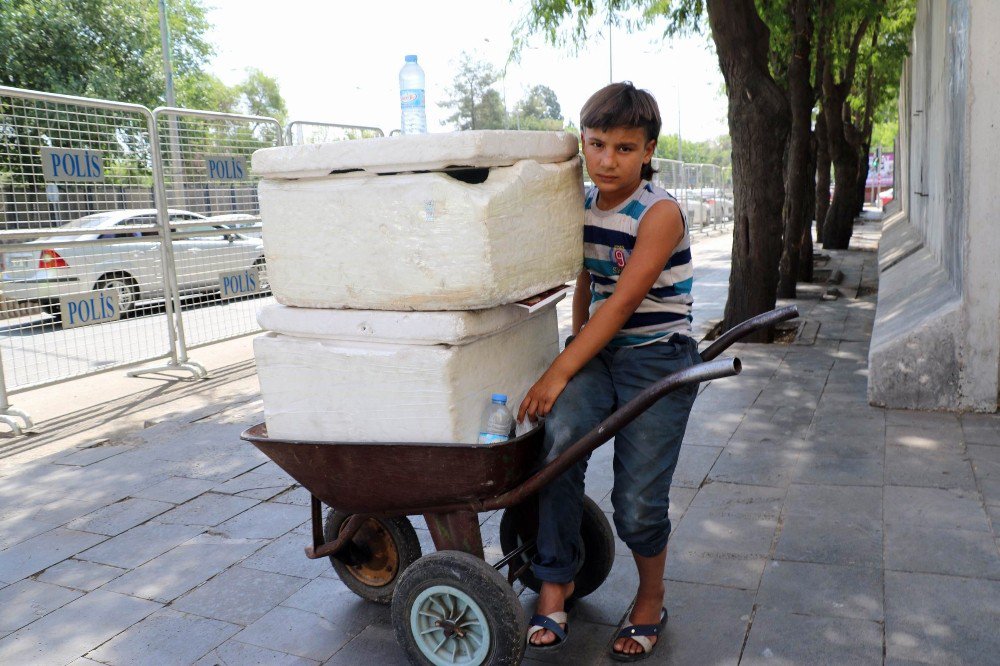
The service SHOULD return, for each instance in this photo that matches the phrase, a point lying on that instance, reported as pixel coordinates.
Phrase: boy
(631, 320)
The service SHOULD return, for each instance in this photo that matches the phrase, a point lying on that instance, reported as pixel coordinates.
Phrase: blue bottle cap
(500, 398)
(411, 58)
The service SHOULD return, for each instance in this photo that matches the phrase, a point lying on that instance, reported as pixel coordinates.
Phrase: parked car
(64, 265)
(238, 222)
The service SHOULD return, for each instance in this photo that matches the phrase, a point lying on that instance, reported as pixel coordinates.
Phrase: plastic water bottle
(497, 421)
(411, 98)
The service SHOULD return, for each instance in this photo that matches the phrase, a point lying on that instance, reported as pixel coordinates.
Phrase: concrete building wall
(936, 341)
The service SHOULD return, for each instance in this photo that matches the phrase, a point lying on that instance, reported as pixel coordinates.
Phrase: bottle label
(490, 438)
(412, 98)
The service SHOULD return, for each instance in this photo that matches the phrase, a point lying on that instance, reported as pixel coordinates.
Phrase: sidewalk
(809, 527)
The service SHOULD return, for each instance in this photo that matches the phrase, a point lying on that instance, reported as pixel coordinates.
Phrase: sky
(339, 61)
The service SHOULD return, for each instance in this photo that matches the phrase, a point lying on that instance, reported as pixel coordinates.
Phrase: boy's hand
(542, 395)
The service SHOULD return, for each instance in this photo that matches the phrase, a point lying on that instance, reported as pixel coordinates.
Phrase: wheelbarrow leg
(456, 530)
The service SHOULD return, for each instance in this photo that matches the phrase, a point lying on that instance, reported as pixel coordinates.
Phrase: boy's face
(615, 158)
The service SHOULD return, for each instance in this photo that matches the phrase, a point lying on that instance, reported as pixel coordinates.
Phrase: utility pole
(165, 44)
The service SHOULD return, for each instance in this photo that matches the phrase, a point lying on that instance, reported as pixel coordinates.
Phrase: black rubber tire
(475, 578)
(598, 548)
(404, 541)
(106, 281)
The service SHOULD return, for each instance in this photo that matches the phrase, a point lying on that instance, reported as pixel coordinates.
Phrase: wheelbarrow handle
(724, 341)
(702, 372)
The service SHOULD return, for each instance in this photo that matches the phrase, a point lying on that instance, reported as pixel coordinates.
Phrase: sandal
(551, 622)
(638, 633)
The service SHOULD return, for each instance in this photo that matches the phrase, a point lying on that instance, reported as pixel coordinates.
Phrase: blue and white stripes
(608, 240)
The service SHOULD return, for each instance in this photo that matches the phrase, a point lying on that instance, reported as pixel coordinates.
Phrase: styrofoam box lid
(415, 152)
(392, 326)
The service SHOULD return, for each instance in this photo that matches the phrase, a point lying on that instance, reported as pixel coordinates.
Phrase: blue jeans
(645, 452)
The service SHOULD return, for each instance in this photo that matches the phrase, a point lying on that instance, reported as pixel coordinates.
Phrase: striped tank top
(608, 239)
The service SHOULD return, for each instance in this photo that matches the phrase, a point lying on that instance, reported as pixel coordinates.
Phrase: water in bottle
(497, 421)
(411, 98)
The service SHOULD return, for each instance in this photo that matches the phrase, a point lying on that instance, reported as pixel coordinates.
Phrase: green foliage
(884, 134)
(474, 108)
(541, 103)
(99, 48)
(714, 151)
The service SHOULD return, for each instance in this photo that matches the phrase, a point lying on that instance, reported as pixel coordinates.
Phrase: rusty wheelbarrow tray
(372, 487)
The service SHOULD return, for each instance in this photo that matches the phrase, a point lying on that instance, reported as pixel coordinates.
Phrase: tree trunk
(809, 214)
(758, 124)
(800, 94)
(822, 173)
(863, 165)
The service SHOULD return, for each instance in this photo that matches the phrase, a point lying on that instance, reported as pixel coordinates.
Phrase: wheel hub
(381, 567)
(449, 627)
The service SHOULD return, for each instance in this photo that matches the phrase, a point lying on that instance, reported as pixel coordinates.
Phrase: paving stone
(740, 500)
(27, 600)
(42, 551)
(173, 637)
(693, 465)
(606, 604)
(845, 445)
(926, 421)
(89, 456)
(257, 484)
(844, 540)
(754, 467)
(934, 507)
(986, 463)
(335, 602)
(981, 429)
(116, 518)
(239, 595)
(190, 564)
(941, 619)
(297, 632)
(267, 520)
(175, 490)
(779, 637)
(920, 438)
(954, 552)
(19, 526)
(220, 466)
(930, 468)
(80, 575)
(285, 555)
(17, 520)
(234, 653)
(834, 501)
(140, 544)
(295, 495)
(374, 645)
(818, 468)
(79, 626)
(208, 510)
(822, 589)
(720, 550)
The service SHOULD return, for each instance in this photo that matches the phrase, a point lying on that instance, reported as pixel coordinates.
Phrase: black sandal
(638, 633)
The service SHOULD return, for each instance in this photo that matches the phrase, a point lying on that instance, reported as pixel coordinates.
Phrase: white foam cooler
(344, 375)
(389, 224)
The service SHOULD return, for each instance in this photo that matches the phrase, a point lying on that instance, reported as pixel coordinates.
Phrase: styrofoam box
(423, 241)
(415, 152)
(335, 387)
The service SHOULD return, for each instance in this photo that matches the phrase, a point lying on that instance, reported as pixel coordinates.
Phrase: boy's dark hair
(623, 105)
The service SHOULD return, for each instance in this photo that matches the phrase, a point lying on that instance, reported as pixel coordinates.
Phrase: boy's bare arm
(661, 230)
(581, 301)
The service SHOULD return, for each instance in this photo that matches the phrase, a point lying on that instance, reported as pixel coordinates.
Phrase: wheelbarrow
(452, 607)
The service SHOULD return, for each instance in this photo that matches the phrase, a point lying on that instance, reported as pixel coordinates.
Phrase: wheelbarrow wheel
(380, 551)
(595, 533)
(453, 609)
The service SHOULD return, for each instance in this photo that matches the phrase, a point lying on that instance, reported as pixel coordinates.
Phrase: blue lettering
(112, 302)
(55, 164)
(104, 309)
(212, 168)
(251, 282)
(239, 170)
(72, 310)
(86, 310)
(226, 286)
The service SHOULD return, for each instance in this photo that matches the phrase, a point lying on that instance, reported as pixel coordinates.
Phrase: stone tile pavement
(809, 526)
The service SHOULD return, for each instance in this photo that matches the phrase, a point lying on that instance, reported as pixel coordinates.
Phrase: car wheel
(127, 288)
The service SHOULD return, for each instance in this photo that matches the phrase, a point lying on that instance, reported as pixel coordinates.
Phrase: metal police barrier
(219, 270)
(82, 248)
(301, 132)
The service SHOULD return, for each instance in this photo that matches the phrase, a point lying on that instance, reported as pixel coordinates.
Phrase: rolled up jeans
(645, 454)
